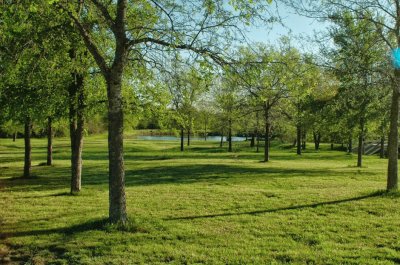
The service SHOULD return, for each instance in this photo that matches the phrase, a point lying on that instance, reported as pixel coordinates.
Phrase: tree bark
(117, 197)
(222, 139)
(393, 141)
(350, 145)
(49, 141)
(14, 136)
(188, 137)
(317, 140)
(267, 129)
(205, 129)
(257, 134)
(182, 139)
(76, 128)
(229, 135)
(303, 143)
(298, 140)
(382, 151)
(252, 141)
(28, 147)
(360, 149)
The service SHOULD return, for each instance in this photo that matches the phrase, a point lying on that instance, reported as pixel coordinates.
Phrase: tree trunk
(332, 146)
(28, 147)
(317, 140)
(49, 142)
(229, 135)
(76, 127)
(222, 139)
(182, 139)
(298, 140)
(267, 129)
(382, 151)
(303, 144)
(267, 142)
(257, 134)
(188, 137)
(14, 136)
(360, 149)
(252, 141)
(393, 141)
(117, 197)
(350, 145)
(205, 130)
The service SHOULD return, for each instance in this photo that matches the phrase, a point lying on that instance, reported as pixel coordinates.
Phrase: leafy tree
(358, 59)
(144, 31)
(264, 74)
(384, 16)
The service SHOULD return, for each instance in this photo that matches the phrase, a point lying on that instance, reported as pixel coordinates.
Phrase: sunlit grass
(202, 206)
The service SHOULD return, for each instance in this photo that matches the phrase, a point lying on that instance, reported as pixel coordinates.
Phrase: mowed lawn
(202, 206)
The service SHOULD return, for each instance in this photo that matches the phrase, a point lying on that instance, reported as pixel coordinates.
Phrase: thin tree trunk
(258, 144)
(257, 134)
(360, 149)
(188, 137)
(252, 141)
(49, 142)
(117, 197)
(316, 144)
(350, 145)
(222, 139)
(303, 144)
(182, 139)
(229, 135)
(393, 141)
(267, 129)
(28, 147)
(205, 130)
(14, 136)
(76, 125)
(332, 147)
(382, 151)
(298, 140)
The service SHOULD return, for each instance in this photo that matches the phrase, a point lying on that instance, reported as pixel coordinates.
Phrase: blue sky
(297, 25)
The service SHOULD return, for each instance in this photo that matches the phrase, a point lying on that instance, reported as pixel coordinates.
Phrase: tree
(358, 61)
(186, 86)
(385, 17)
(228, 103)
(264, 74)
(143, 31)
(27, 85)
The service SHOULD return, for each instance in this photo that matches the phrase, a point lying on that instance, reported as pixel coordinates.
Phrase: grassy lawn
(203, 206)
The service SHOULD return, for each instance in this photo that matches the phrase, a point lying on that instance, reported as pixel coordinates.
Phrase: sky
(295, 24)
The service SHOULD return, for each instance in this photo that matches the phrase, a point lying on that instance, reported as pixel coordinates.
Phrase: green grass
(202, 206)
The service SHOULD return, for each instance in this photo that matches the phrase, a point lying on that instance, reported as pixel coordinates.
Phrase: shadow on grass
(295, 207)
(57, 178)
(99, 224)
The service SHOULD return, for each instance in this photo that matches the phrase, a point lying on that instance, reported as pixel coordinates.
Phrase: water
(175, 138)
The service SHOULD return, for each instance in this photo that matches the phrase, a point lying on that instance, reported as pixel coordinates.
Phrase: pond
(196, 138)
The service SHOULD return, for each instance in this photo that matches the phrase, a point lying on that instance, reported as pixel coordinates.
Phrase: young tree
(358, 61)
(384, 16)
(144, 30)
(264, 74)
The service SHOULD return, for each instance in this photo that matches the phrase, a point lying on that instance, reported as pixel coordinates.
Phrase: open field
(203, 206)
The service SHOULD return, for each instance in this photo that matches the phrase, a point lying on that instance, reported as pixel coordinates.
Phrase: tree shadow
(97, 224)
(295, 207)
(187, 174)
(59, 178)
